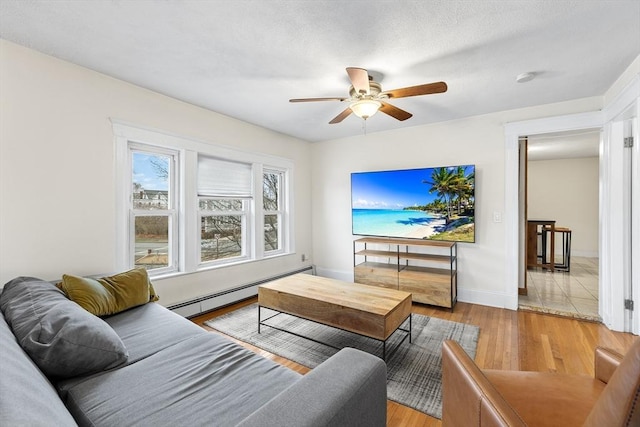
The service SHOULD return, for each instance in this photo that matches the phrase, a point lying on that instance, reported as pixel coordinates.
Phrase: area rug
(414, 373)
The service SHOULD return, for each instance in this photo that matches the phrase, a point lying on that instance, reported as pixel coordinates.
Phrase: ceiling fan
(366, 96)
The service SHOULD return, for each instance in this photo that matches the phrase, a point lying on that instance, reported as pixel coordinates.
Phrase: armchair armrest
(468, 398)
(606, 362)
(348, 389)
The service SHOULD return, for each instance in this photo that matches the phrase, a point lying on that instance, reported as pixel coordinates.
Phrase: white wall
(567, 190)
(477, 140)
(57, 183)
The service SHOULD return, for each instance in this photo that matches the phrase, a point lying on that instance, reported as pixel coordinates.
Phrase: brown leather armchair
(488, 398)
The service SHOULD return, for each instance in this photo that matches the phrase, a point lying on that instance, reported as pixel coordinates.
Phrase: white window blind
(223, 178)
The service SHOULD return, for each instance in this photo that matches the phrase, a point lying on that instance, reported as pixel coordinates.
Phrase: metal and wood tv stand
(426, 268)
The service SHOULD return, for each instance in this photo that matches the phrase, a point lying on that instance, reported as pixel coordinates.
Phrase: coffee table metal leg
(408, 333)
(384, 342)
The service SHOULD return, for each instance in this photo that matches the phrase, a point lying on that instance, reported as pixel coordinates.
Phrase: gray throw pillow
(61, 337)
(27, 398)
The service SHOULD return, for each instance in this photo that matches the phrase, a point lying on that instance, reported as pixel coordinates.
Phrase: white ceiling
(247, 58)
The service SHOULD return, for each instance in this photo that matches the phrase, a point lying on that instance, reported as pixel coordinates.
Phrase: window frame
(280, 212)
(171, 212)
(187, 249)
(245, 247)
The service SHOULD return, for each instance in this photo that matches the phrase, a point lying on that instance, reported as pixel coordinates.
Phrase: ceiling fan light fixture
(525, 77)
(366, 97)
(365, 108)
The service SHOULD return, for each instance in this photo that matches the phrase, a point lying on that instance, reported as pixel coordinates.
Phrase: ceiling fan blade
(426, 89)
(340, 117)
(395, 112)
(316, 99)
(359, 79)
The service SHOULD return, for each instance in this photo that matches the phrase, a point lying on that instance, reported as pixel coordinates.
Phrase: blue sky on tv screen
(396, 189)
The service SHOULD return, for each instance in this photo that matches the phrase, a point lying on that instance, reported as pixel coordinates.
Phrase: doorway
(617, 227)
(561, 184)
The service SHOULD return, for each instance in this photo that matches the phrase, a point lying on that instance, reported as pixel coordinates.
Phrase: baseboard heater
(212, 302)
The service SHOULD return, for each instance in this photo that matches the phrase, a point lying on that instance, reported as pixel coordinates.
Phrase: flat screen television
(429, 203)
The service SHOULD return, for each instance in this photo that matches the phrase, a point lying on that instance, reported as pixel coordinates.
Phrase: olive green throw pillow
(110, 295)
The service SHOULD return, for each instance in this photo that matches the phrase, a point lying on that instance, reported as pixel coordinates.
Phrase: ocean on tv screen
(395, 223)
(428, 203)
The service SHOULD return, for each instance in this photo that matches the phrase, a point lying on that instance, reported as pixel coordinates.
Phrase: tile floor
(572, 294)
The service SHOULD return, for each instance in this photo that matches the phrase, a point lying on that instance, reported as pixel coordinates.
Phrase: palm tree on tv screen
(451, 184)
(462, 187)
(442, 184)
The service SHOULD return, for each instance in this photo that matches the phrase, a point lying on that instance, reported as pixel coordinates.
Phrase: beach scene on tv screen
(429, 203)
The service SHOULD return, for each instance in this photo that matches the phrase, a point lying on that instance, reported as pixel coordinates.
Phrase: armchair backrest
(476, 402)
(619, 403)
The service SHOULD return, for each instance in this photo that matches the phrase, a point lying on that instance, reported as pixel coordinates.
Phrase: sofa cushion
(27, 398)
(151, 328)
(204, 380)
(62, 338)
(145, 330)
(530, 394)
(112, 294)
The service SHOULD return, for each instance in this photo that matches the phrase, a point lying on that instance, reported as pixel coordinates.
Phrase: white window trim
(247, 239)
(189, 148)
(173, 211)
(282, 212)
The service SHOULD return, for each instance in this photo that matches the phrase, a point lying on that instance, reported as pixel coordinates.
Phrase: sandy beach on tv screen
(425, 231)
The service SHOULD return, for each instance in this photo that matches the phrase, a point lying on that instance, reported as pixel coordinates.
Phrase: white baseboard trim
(586, 254)
(335, 274)
(220, 299)
(488, 298)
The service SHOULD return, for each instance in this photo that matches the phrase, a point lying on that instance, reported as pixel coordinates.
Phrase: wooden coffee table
(365, 310)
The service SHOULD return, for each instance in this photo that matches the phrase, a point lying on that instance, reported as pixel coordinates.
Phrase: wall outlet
(497, 216)
(304, 257)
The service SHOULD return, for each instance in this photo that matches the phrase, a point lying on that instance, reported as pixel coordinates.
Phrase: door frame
(513, 215)
(610, 287)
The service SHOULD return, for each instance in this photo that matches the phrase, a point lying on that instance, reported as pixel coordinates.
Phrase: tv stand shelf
(426, 268)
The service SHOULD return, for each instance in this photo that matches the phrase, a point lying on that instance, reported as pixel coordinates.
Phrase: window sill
(201, 269)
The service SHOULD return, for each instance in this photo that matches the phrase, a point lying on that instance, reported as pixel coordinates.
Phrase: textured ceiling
(246, 59)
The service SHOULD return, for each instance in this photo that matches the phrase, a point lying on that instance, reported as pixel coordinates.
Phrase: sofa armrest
(348, 389)
(468, 398)
(606, 362)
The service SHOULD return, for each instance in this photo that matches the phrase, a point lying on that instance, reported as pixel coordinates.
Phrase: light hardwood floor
(512, 340)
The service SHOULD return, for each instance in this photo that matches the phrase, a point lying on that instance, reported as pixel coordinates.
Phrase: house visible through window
(153, 213)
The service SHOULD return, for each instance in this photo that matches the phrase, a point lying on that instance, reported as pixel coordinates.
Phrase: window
(273, 211)
(152, 212)
(224, 192)
(223, 229)
(185, 205)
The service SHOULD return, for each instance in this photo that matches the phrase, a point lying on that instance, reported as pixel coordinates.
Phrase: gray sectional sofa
(63, 366)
